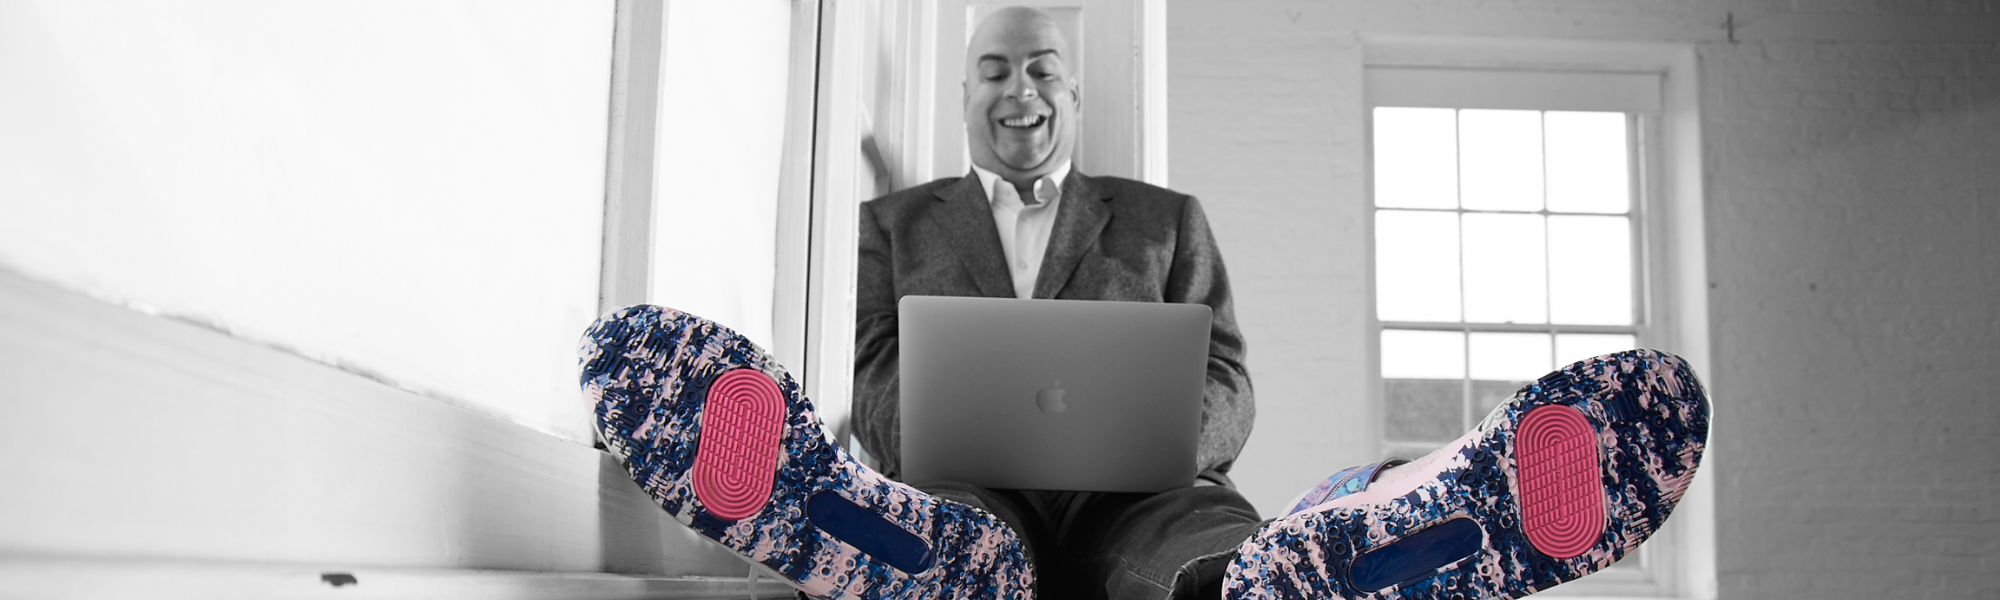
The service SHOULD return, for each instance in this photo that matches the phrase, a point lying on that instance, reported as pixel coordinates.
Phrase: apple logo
(1050, 399)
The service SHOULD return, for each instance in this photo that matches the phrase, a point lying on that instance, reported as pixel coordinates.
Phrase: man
(1560, 481)
(1025, 224)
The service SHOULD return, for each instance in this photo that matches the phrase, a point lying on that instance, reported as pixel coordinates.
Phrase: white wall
(411, 190)
(1851, 245)
(1856, 291)
(1265, 130)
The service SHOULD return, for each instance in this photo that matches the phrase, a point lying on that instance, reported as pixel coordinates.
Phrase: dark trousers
(1175, 544)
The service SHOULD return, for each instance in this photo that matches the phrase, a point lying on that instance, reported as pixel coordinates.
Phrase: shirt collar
(986, 179)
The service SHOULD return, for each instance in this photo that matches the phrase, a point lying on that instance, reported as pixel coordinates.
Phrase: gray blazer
(1114, 239)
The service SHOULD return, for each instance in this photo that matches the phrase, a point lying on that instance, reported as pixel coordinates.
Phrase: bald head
(1020, 95)
(1012, 23)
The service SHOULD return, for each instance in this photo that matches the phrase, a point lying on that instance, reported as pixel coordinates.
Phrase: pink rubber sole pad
(1562, 497)
(741, 420)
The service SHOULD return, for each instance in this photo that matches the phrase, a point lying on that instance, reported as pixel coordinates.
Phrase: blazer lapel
(967, 219)
(1079, 220)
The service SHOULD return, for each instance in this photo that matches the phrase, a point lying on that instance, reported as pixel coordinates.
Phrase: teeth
(1024, 121)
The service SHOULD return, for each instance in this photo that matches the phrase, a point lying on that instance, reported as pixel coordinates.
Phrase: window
(413, 195)
(1523, 219)
(373, 187)
(1504, 248)
(720, 161)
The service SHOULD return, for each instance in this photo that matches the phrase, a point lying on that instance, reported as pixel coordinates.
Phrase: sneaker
(1346, 481)
(716, 432)
(1559, 482)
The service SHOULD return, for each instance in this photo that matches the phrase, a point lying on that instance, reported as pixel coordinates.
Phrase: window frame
(1667, 210)
(1643, 327)
(631, 194)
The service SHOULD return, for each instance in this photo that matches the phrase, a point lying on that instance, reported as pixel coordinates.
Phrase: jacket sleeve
(1198, 276)
(876, 415)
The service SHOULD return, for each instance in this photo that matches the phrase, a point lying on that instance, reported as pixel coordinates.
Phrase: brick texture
(1855, 265)
(1256, 141)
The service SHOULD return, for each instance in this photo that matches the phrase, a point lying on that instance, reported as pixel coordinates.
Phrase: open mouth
(1024, 121)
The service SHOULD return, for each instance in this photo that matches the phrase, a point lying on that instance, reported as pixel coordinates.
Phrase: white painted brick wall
(1256, 118)
(1853, 243)
(1855, 258)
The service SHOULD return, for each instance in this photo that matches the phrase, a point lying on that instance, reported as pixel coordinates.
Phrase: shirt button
(1019, 265)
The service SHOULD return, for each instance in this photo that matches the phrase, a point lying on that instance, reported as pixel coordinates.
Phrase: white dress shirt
(1024, 228)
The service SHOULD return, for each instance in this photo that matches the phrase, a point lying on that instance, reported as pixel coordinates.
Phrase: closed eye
(1046, 67)
(992, 70)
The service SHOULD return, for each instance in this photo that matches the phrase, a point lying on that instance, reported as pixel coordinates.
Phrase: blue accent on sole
(868, 532)
(1417, 556)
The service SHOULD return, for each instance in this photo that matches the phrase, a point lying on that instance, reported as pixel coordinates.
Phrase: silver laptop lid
(1052, 394)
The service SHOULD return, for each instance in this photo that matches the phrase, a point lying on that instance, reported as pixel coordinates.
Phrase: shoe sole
(1561, 481)
(721, 437)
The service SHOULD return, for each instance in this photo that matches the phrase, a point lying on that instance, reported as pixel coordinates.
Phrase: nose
(1022, 90)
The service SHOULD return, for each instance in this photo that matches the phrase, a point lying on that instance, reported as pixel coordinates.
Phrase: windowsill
(42, 578)
(149, 439)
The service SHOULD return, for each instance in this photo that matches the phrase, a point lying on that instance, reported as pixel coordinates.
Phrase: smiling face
(1020, 98)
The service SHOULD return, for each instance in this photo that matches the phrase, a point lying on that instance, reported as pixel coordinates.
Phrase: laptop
(1052, 394)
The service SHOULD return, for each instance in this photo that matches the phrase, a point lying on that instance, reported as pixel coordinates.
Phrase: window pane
(1416, 266)
(1416, 158)
(411, 190)
(1572, 347)
(1423, 410)
(1423, 354)
(1504, 269)
(1590, 270)
(1587, 162)
(1501, 155)
(1509, 356)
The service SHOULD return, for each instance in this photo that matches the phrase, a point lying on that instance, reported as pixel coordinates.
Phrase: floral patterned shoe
(1560, 481)
(716, 432)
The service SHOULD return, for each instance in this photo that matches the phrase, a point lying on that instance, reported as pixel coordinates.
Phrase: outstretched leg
(717, 433)
(1562, 480)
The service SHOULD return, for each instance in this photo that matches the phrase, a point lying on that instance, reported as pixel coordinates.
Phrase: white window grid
(1643, 572)
(1471, 411)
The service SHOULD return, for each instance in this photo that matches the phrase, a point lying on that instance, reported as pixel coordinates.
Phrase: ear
(964, 94)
